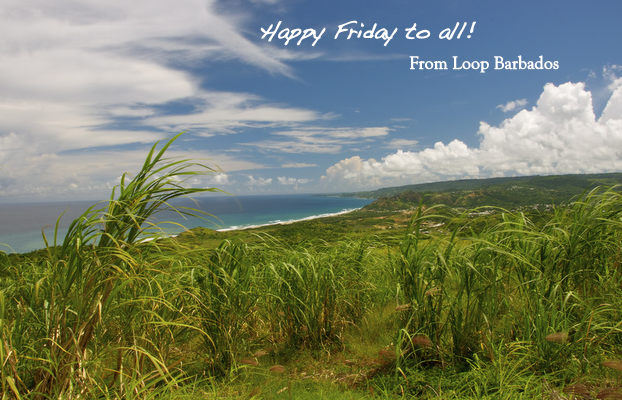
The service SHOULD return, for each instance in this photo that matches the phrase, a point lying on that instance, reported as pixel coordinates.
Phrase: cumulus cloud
(512, 105)
(610, 73)
(252, 181)
(219, 178)
(291, 181)
(560, 135)
(613, 109)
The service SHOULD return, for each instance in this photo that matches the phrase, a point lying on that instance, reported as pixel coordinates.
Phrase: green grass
(450, 305)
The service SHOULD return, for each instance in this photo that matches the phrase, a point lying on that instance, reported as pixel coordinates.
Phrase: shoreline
(241, 228)
(279, 222)
(30, 242)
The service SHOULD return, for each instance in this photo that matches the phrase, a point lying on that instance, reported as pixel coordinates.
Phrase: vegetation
(555, 187)
(433, 302)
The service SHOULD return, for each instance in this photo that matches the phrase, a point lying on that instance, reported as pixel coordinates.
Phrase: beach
(22, 225)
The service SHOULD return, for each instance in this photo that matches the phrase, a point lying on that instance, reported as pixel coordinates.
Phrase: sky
(421, 91)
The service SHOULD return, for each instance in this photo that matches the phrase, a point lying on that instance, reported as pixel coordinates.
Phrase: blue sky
(86, 87)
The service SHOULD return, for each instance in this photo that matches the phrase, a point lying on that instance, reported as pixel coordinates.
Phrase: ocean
(21, 225)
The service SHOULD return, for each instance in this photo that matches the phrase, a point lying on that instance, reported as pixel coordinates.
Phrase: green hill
(502, 192)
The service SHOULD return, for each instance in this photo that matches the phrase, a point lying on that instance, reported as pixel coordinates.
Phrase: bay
(21, 225)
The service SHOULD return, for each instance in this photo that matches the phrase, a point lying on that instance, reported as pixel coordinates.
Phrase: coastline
(22, 230)
(272, 223)
(278, 222)
(246, 227)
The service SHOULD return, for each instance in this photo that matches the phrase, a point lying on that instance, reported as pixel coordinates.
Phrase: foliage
(552, 290)
(460, 304)
(565, 185)
(90, 315)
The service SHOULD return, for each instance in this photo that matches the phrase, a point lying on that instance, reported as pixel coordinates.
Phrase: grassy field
(434, 302)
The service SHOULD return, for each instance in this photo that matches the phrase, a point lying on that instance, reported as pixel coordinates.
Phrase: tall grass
(452, 287)
(553, 289)
(81, 317)
(227, 289)
(317, 291)
(107, 314)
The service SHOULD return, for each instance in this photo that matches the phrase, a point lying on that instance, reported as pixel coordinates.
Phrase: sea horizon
(21, 225)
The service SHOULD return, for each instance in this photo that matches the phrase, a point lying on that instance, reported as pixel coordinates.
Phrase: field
(430, 302)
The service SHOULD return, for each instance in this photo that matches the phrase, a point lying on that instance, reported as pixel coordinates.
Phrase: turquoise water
(21, 225)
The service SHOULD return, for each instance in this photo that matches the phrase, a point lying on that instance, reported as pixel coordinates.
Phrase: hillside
(500, 192)
(421, 304)
(566, 184)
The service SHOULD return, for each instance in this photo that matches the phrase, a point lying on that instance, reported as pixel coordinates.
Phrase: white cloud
(298, 165)
(613, 110)
(512, 105)
(609, 73)
(218, 179)
(559, 135)
(291, 146)
(270, 2)
(225, 112)
(94, 173)
(311, 133)
(95, 75)
(252, 181)
(291, 181)
(401, 143)
(320, 140)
